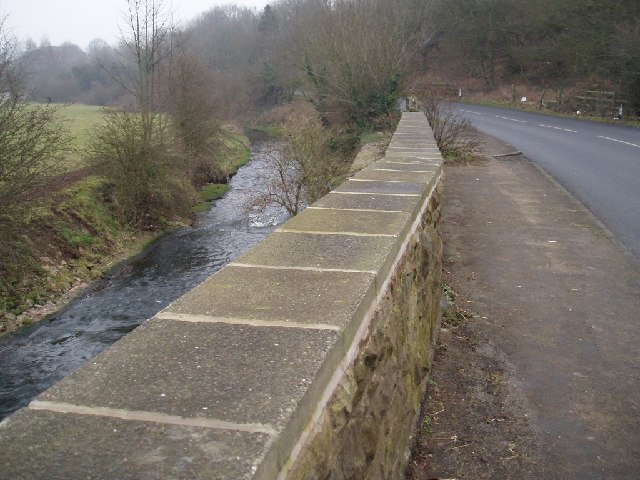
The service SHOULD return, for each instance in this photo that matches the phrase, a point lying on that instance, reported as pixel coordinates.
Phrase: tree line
(257, 58)
(172, 87)
(169, 89)
(542, 42)
(351, 59)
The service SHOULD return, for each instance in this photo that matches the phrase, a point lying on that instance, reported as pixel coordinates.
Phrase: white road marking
(511, 119)
(620, 141)
(471, 111)
(558, 128)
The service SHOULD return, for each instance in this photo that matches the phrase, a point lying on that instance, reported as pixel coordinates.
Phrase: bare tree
(192, 109)
(136, 148)
(148, 41)
(454, 134)
(302, 168)
(226, 41)
(33, 141)
(355, 54)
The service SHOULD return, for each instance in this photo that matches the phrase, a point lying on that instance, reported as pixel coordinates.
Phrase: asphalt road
(598, 163)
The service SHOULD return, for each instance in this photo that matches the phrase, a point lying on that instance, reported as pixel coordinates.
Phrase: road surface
(598, 163)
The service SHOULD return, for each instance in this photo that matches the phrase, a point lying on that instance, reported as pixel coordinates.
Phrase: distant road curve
(598, 163)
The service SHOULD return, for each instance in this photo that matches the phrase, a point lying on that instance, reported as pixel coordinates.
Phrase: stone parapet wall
(305, 358)
(365, 429)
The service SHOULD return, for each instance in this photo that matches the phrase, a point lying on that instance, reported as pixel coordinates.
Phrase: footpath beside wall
(305, 358)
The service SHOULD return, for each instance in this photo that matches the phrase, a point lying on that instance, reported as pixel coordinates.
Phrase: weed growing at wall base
(454, 135)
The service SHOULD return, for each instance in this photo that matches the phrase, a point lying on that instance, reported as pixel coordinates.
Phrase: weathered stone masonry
(305, 358)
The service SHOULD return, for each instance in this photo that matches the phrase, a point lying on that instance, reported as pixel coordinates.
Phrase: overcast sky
(80, 21)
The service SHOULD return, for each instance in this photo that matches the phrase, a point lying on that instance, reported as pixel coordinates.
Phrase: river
(36, 357)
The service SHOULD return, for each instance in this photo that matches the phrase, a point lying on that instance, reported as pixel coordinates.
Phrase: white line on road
(620, 141)
(471, 111)
(511, 119)
(557, 128)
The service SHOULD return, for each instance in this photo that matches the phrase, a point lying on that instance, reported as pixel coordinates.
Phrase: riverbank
(37, 356)
(72, 237)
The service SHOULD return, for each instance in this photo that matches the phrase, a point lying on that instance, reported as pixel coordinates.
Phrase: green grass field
(80, 120)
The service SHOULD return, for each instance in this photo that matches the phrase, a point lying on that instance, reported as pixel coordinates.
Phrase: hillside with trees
(256, 59)
(578, 45)
(344, 63)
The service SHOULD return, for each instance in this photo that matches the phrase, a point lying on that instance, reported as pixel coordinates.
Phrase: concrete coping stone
(424, 166)
(394, 175)
(230, 375)
(368, 201)
(372, 186)
(364, 222)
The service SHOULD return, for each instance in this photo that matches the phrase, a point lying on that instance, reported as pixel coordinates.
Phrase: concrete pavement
(598, 163)
(560, 301)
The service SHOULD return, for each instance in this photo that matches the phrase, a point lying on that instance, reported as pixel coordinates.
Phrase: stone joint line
(402, 163)
(307, 269)
(152, 417)
(416, 149)
(349, 234)
(375, 193)
(184, 317)
(373, 210)
(379, 181)
(418, 157)
(405, 171)
(430, 164)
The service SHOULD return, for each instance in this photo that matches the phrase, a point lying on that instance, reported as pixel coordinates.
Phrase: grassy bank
(235, 147)
(72, 236)
(235, 154)
(208, 194)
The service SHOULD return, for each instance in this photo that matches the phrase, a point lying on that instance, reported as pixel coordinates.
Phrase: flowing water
(34, 358)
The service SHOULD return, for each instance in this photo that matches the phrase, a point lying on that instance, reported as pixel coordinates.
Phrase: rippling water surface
(36, 357)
